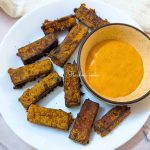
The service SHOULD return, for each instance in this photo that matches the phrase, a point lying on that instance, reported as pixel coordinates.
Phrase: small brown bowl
(124, 32)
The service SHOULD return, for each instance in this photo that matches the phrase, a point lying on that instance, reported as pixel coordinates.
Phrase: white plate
(28, 29)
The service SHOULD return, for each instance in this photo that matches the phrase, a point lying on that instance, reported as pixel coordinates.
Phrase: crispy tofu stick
(84, 122)
(89, 17)
(59, 25)
(37, 49)
(112, 119)
(55, 118)
(41, 89)
(61, 54)
(22, 75)
(71, 85)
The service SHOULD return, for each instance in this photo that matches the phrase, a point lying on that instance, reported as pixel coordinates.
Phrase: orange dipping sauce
(114, 68)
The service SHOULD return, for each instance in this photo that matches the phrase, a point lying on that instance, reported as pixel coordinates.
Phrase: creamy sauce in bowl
(114, 68)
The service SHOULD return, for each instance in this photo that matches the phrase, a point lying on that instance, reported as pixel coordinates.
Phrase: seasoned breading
(61, 24)
(111, 119)
(22, 75)
(89, 17)
(61, 54)
(41, 89)
(55, 118)
(37, 49)
(71, 85)
(84, 122)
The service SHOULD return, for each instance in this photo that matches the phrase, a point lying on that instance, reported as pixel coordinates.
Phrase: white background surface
(10, 141)
(138, 9)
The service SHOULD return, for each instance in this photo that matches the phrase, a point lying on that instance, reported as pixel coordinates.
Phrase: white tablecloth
(138, 9)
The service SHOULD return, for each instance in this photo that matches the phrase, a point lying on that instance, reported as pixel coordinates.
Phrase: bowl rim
(80, 72)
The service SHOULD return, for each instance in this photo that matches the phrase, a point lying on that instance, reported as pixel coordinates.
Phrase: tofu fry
(71, 85)
(22, 75)
(84, 122)
(55, 118)
(111, 119)
(89, 17)
(41, 89)
(58, 25)
(63, 52)
(37, 49)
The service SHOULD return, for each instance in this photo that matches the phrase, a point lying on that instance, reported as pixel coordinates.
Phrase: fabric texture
(138, 9)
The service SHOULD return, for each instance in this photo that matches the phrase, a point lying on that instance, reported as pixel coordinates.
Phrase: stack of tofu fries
(59, 54)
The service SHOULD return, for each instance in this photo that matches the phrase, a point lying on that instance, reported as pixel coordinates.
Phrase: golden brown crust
(84, 122)
(111, 119)
(37, 49)
(71, 85)
(89, 17)
(22, 75)
(41, 89)
(49, 117)
(61, 54)
(59, 25)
